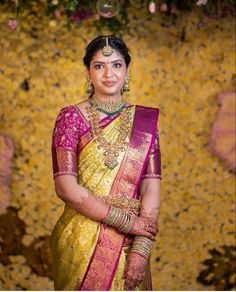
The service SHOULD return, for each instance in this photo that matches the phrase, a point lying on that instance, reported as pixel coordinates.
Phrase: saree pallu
(89, 255)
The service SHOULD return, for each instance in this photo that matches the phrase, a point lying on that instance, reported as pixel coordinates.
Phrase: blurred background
(183, 62)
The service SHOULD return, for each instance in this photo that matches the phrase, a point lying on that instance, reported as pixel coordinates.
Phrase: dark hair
(99, 42)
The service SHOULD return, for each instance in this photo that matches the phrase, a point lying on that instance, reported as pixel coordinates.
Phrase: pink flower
(164, 7)
(57, 13)
(12, 24)
(152, 7)
(97, 17)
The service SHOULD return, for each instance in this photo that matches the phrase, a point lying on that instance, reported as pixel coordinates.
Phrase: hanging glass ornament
(108, 8)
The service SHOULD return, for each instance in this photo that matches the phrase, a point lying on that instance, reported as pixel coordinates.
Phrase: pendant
(111, 161)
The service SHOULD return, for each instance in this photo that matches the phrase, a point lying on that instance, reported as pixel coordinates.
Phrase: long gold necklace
(110, 150)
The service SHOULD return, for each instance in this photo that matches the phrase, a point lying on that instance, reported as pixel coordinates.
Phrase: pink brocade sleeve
(65, 141)
(153, 167)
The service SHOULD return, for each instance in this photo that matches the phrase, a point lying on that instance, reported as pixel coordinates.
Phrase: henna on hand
(144, 226)
(135, 271)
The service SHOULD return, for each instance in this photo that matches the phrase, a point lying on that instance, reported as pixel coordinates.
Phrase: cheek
(94, 75)
(121, 74)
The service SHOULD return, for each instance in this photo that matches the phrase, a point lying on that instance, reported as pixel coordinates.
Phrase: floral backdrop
(178, 66)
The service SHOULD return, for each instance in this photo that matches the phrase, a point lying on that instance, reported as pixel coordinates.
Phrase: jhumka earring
(126, 87)
(89, 87)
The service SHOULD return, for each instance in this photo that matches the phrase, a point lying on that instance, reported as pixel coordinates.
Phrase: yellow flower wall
(41, 71)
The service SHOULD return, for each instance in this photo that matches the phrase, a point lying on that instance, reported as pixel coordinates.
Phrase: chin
(114, 90)
(111, 92)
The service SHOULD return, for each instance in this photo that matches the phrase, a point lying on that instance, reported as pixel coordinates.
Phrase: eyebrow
(100, 62)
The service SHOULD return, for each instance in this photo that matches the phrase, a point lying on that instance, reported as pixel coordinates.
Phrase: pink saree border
(115, 268)
(110, 241)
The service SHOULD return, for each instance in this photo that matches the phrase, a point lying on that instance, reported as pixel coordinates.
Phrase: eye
(98, 66)
(117, 65)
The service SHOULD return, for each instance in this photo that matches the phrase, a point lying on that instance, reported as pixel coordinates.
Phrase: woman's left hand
(135, 270)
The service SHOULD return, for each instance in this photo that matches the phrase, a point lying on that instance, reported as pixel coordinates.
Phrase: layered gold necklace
(111, 150)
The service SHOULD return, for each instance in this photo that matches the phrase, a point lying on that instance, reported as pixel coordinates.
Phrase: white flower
(201, 2)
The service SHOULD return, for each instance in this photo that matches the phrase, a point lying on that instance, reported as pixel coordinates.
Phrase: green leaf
(72, 5)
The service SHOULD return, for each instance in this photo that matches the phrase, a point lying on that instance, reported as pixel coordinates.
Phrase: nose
(108, 72)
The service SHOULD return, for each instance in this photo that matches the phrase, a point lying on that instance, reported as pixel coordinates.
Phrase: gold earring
(126, 87)
(89, 87)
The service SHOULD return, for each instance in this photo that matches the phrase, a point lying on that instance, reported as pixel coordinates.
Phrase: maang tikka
(107, 50)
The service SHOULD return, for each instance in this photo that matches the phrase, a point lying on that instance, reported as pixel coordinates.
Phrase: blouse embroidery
(68, 128)
(69, 125)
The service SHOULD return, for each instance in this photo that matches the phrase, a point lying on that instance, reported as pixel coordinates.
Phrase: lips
(109, 83)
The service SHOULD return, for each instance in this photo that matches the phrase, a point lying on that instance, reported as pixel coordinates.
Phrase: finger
(128, 284)
(144, 232)
(153, 221)
(124, 276)
(150, 221)
(147, 234)
(128, 288)
(131, 285)
(153, 226)
(152, 230)
(138, 282)
(132, 280)
(125, 271)
(141, 278)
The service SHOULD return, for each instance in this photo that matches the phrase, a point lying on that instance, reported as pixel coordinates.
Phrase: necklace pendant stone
(111, 162)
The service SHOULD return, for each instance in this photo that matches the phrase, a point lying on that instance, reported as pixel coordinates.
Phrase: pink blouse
(69, 127)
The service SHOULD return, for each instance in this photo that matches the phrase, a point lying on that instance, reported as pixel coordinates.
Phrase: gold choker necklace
(108, 106)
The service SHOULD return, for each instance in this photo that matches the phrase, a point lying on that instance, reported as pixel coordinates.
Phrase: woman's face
(108, 74)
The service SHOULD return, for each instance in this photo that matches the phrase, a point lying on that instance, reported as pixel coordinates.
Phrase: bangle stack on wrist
(142, 246)
(119, 219)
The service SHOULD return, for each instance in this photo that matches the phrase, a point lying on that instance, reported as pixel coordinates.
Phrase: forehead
(99, 57)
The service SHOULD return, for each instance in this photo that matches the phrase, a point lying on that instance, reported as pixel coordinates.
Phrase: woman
(106, 163)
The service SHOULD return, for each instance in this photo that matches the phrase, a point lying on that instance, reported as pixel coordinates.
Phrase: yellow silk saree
(89, 255)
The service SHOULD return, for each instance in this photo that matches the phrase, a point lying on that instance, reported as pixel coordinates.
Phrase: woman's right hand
(144, 226)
